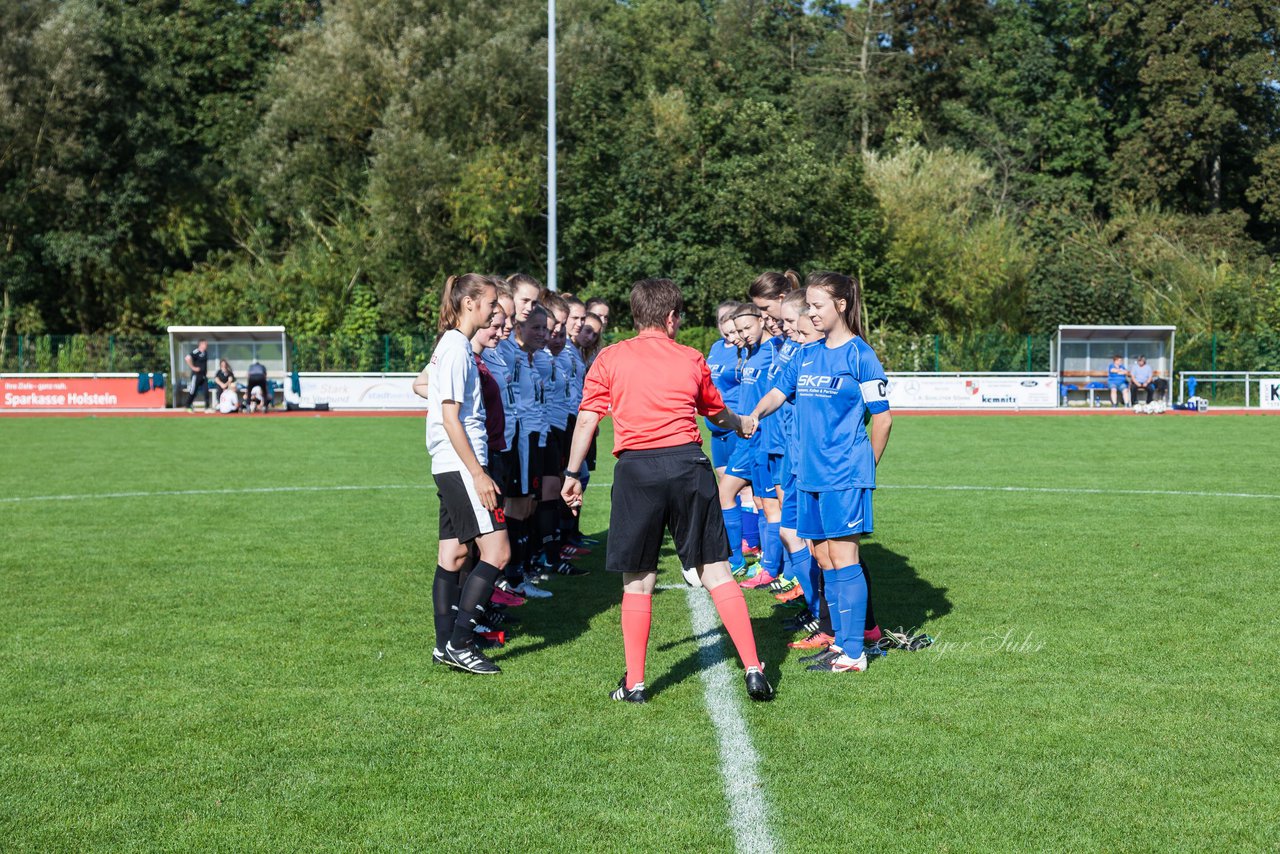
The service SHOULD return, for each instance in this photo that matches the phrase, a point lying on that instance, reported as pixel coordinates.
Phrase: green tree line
(984, 166)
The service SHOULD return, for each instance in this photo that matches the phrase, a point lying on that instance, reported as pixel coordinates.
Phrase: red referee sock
(732, 607)
(637, 613)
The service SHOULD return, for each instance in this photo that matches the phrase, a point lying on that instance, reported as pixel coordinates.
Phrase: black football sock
(475, 595)
(545, 523)
(444, 599)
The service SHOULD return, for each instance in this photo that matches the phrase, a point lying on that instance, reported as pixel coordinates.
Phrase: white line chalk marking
(739, 764)
(1065, 490)
(1050, 490)
(89, 496)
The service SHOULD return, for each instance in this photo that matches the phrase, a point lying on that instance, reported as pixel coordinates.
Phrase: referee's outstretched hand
(571, 493)
(487, 491)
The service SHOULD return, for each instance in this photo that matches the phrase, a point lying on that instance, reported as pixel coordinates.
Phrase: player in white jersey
(470, 502)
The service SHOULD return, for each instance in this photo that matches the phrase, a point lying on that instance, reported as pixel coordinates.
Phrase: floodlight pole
(551, 144)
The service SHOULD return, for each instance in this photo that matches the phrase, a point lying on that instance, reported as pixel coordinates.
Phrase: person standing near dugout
(198, 363)
(654, 388)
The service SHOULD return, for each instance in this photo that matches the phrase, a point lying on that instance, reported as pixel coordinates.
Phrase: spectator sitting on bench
(229, 400)
(1143, 378)
(258, 382)
(1118, 379)
(224, 379)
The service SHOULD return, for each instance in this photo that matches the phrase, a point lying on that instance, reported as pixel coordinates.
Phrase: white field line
(1065, 490)
(722, 689)
(252, 490)
(1050, 490)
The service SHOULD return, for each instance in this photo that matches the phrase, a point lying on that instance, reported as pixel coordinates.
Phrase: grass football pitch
(215, 634)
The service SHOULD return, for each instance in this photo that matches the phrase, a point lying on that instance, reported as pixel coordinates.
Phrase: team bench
(1088, 382)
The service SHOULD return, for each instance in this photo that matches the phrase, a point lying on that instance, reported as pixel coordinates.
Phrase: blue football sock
(733, 527)
(833, 605)
(851, 594)
(784, 567)
(771, 559)
(762, 524)
(801, 563)
(749, 528)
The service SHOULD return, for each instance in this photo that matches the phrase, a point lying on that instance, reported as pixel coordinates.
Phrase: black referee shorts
(659, 490)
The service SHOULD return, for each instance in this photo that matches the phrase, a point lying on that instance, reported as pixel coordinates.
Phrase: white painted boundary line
(242, 491)
(1066, 490)
(722, 689)
(1050, 490)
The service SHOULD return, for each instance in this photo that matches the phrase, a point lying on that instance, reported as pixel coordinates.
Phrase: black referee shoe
(635, 695)
(470, 660)
(758, 688)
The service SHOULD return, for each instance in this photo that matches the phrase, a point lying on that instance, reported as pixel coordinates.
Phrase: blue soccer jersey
(723, 362)
(755, 376)
(774, 428)
(833, 389)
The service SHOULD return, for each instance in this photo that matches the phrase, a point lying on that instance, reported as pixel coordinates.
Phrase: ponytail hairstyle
(772, 285)
(456, 289)
(553, 302)
(746, 309)
(797, 297)
(847, 288)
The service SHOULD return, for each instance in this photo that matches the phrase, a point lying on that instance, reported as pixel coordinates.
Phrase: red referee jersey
(654, 388)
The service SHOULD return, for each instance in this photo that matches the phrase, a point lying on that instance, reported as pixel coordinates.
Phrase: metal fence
(899, 351)
(77, 354)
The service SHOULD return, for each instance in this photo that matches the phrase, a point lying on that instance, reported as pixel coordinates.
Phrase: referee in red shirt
(654, 388)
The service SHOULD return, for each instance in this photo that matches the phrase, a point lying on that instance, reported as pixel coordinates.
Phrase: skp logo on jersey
(816, 381)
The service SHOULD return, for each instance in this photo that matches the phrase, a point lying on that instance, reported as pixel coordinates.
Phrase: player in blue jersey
(767, 293)
(834, 383)
(722, 360)
(523, 395)
(553, 366)
(575, 324)
(815, 620)
(749, 460)
(749, 331)
(725, 362)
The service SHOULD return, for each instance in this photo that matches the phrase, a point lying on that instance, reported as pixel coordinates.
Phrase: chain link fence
(87, 354)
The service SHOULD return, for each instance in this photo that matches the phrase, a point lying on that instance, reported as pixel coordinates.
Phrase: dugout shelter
(1079, 355)
(239, 345)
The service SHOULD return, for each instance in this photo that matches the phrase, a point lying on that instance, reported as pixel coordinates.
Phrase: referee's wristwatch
(570, 473)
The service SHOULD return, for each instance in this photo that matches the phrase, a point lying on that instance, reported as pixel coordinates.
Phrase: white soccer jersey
(454, 376)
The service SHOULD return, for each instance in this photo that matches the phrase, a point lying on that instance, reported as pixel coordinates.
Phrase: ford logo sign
(1030, 383)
